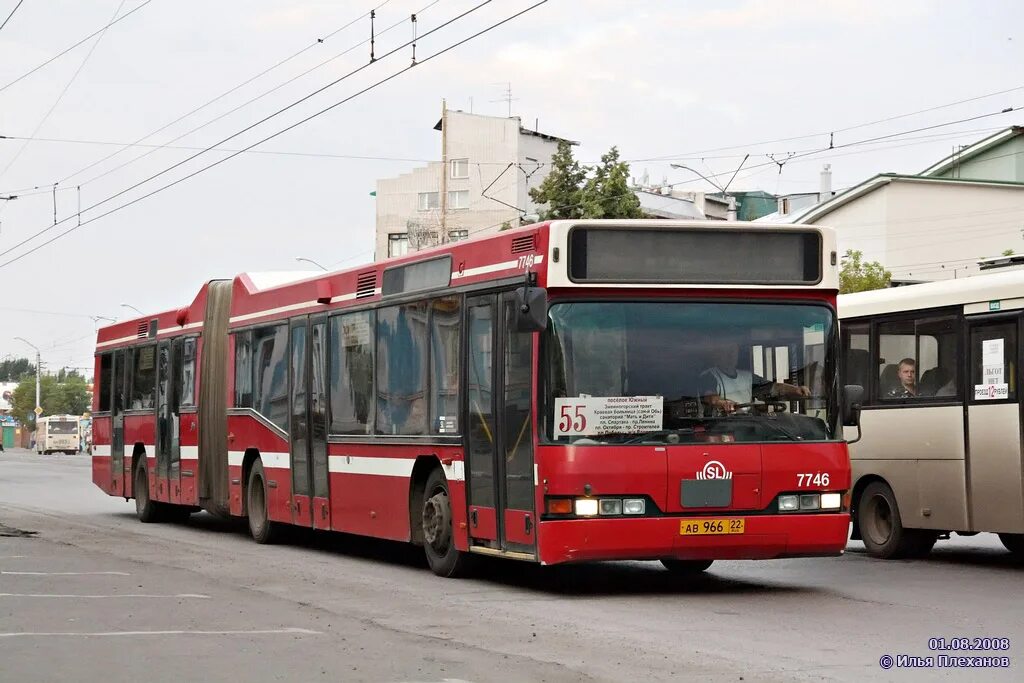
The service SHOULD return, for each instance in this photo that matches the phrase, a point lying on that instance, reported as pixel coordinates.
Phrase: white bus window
(856, 354)
(994, 362)
(917, 358)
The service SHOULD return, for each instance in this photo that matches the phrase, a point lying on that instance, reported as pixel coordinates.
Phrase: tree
(607, 193)
(505, 226)
(858, 276)
(70, 397)
(1007, 252)
(13, 369)
(562, 188)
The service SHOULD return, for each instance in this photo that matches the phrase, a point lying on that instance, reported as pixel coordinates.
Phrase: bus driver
(725, 386)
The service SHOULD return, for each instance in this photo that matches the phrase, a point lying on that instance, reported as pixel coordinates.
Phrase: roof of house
(972, 151)
(818, 211)
(667, 206)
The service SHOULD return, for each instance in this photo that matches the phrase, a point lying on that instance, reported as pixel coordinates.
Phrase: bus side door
(994, 425)
(500, 481)
(120, 474)
(308, 423)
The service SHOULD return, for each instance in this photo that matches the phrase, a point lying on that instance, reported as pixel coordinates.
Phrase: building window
(398, 244)
(458, 199)
(460, 168)
(458, 235)
(429, 200)
(351, 370)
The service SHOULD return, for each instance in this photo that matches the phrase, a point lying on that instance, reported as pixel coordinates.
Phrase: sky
(702, 83)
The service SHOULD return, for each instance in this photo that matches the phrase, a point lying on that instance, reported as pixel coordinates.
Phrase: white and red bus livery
(566, 391)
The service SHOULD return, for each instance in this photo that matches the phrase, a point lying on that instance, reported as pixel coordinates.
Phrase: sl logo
(714, 470)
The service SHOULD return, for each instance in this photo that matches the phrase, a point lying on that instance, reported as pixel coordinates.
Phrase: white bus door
(995, 479)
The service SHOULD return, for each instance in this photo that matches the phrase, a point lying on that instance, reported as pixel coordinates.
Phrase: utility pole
(444, 172)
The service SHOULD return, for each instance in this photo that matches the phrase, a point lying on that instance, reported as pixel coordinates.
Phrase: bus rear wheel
(686, 566)
(1014, 543)
(438, 536)
(260, 526)
(146, 509)
(882, 530)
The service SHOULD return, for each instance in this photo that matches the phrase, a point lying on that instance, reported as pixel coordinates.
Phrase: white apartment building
(492, 163)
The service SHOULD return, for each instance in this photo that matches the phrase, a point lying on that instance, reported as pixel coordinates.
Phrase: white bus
(57, 433)
(941, 452)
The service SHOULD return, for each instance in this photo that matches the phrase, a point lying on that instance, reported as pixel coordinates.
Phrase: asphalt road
(87, 593)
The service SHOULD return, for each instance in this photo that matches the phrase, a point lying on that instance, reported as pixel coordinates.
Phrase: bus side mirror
(531, 309)
(853, 398)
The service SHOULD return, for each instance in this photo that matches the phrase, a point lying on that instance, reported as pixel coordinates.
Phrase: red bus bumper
(765, 537)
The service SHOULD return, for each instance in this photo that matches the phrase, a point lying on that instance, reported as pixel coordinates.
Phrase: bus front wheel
(1014, 543)
(882, 530)
(438, 537)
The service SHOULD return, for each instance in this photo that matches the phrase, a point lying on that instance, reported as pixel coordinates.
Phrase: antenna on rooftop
(507, 97)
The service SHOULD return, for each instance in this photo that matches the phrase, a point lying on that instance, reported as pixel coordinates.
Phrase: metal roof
(974, 150)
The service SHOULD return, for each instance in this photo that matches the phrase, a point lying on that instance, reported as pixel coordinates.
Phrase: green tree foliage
(507, 225)
(574, 191)
(13, 369)
(1007, 252)
(562, 188)
(607, 193)
(70, 397)
(858, 276)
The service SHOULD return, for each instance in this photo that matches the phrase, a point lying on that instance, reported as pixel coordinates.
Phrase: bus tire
(881, 527)
(146, 509)
(1014, 543)
(262, 529)
(444, 558)
(685, 567)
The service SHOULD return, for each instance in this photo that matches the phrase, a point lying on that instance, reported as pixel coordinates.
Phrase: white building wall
(914, 228)
(494, 148)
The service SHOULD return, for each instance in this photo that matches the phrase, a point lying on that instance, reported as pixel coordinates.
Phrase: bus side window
(106, 376)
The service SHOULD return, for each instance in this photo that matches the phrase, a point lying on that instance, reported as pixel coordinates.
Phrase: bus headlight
(633, 506)
(789, 503)
(831, 501)
(610, 506)
(586, 507)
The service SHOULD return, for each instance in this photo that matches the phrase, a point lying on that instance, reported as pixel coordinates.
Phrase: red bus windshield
(631, 372)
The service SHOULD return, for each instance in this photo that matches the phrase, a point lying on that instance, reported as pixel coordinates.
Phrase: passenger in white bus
(906, 374)
(727, 386)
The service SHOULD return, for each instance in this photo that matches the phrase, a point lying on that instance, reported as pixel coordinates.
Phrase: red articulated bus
(566, 391)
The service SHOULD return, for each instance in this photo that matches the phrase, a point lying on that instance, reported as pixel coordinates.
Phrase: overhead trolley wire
(290, 127)
(236, 134)
(221, 96)
(60, 97)
(11, 14)
(69, 49)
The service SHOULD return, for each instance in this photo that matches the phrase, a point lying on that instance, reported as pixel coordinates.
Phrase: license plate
(710, 527)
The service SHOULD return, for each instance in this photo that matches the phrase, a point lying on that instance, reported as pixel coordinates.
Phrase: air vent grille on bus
(524, 243)
(366, 284)
(143, 330)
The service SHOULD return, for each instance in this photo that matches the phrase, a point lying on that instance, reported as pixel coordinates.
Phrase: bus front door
(995, 476)
(120, 472)
(499, 450)
(308, 423)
